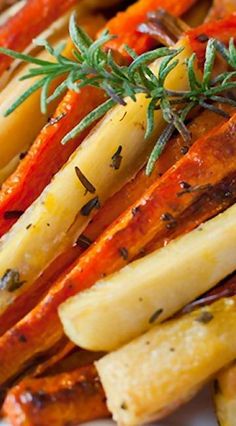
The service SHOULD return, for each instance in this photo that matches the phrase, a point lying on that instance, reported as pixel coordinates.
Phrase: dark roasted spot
(29, 226)
(172, 349)
(155, 316)
(124, 253)
(217, 388)
(88, 207)
(203, 38)
(13, 214)
(22, 338)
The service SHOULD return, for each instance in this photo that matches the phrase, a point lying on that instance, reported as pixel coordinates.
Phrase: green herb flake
(84, 181)
(205, 317)
(11, 281)
(155, 316)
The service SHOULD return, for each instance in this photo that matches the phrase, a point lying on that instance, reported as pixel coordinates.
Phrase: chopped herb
(22, 155)
(10, 281)
(124, 253)
(205, 317)
(185, 185)
(184, 149)
(171, 222)
(84, 181)
(89, 206)
(197, 188)
(13, 214)
(55, 120)
(83, 242)
(29, 226)
(124, 406)
(166, 217)
(135, 211)
(155, 316)
(124, 115)
(116, 159)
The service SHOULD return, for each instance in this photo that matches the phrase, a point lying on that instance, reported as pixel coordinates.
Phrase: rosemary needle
(93, 66)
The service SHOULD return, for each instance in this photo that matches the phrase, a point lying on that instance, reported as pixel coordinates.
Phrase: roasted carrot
(222, 30)
(207, 163)
(131, 192)
(47, 155)
(221, 8)
(67, 398)
(125, 24)
(35, 16)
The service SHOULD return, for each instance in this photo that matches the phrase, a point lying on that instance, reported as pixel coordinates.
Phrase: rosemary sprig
(93, 66)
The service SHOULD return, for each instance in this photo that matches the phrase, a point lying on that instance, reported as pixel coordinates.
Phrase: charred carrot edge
(67, 398)
(126, 24)
(207, 163)
(105, 216)
(222, 30)
(18, 32)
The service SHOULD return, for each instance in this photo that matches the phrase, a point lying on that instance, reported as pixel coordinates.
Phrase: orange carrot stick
(35, 16)
(105, 216)
(66, 398)
(210, 160)
(222, 30)
(126, 24)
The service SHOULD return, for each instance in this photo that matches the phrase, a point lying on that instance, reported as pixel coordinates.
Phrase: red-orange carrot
(131, 192)
(125, 24)
(66, 398)
(34, 17)
(222, 30)
(210, 160)
(221, 8)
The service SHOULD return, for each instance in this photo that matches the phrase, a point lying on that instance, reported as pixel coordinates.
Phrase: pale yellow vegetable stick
(225, 396)
(124, 305)
(55, 217)
(19, 129)
(154, 374)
